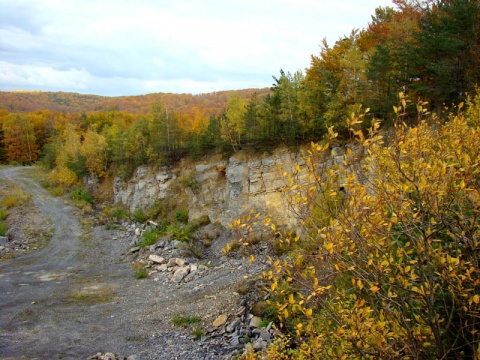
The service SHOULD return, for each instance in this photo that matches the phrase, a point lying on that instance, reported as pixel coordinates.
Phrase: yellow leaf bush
(391, 268)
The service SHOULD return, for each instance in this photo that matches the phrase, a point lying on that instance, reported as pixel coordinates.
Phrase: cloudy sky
(126, 47)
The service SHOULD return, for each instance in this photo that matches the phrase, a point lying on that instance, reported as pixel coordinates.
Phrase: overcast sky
(120, 47)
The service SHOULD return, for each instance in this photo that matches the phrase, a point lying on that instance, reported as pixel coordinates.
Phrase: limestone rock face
(224, 189)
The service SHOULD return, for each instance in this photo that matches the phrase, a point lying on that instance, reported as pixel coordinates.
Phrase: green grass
(183, 320)
(141, 273)
(3, 214)
(81, 195)
(198, 332)
(139, 216)
(149, 237)
(3, 228)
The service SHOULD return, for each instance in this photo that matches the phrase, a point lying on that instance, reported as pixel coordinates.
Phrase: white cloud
(120, 47)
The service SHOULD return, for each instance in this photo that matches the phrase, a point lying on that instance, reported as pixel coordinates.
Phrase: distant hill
(30, 101)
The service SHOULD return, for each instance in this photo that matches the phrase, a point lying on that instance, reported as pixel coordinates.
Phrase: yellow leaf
(273, 227)
(308, 312)
(361, 302)
(291, 299)
(252, 257)
(285, 313)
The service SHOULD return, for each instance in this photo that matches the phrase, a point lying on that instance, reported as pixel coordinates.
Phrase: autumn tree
(233, 122)
(19, 139)
(94, 150)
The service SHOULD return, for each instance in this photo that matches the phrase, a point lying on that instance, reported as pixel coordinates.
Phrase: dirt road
(75, 297)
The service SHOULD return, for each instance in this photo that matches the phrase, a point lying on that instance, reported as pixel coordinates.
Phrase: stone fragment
(162, 267)
(3, 240)
(180, 274)
(156, 259)
(134, 249)
(179, 262)
(260, 344)
(109, 356)
(233, 325)
(219, 321)
(255, 322)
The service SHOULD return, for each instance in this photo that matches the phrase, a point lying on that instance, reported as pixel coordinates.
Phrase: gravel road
(76, 297)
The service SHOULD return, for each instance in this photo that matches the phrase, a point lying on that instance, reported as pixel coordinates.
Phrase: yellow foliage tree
(94, 149)
(388, 264)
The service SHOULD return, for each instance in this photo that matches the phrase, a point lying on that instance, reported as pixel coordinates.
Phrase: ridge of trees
(32, 101)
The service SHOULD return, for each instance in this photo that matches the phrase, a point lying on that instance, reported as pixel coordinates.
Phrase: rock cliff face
(222, 189)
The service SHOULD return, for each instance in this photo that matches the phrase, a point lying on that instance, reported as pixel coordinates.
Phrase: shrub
(63, 176)
(139, 216)
(391, 270)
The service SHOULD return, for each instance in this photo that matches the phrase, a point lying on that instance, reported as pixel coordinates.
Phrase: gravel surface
(77, 298)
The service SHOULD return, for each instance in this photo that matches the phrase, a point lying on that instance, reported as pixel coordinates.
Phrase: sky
(135, 47)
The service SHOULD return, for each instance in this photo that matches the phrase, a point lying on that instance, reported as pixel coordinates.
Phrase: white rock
(156, 259)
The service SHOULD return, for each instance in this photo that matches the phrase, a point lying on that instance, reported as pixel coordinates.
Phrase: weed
(80, 194)
(119, 213)
(198, 332)
(207, 239)
(185, 320)
(182, 216)
(111, 226)
(200, 221)
(3, 228)
(180, 232)
(3, 214)
(139, 216)
(141, 273)
(149, 237)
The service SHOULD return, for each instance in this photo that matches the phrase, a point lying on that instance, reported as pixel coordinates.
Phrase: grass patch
(139, 216)
(92, 294)
(149, 237)
(3, 228)
(139, 270)
(198, 332)
(80, 194)
(181, 232)
(140, 273)
(183, 320)
(182, 216)
(18, 197)
(3, 214)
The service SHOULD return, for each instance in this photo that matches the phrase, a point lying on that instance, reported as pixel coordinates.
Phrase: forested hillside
(429, 51)
(31, 101)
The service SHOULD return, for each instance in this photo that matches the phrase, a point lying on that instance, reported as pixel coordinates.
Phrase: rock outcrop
(222, 189)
